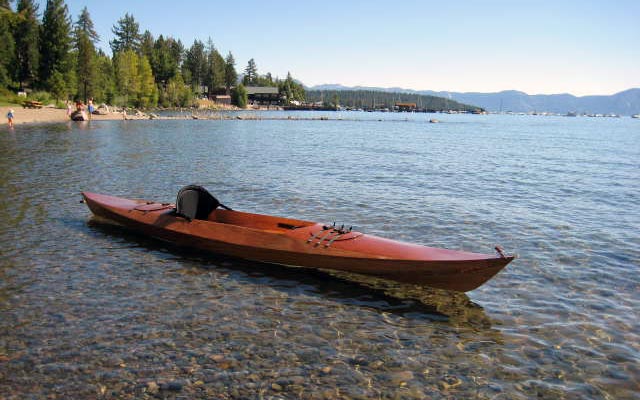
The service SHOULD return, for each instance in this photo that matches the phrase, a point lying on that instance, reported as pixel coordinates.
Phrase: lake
(89, 310)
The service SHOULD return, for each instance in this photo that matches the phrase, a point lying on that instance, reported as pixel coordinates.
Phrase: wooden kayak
(302, 243)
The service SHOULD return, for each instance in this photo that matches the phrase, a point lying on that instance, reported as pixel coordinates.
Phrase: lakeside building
(405, 106)
(263, 95)
(223, 99)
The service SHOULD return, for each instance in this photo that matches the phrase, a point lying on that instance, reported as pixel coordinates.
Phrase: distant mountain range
(623, 103)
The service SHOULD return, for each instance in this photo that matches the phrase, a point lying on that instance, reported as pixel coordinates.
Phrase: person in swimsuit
(10, 118)
(91, 108)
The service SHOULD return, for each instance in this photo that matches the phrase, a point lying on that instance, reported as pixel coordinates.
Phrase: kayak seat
(195, 202)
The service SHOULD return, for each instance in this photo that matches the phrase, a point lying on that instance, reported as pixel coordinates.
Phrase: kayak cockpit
(195, 202)
(257, 221)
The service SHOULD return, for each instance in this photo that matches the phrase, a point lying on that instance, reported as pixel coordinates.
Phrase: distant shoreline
(48, 115)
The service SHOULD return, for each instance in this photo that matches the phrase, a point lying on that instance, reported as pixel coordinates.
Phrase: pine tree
(230, 74)
(163, 63)
(26, 40)
(58, 86)
(84, 36)
(146, 45)
(250, 73)
(195, 65)
(7, 48)
(55, 41)
(215, 69)
(176, 49)
(291, 89)
(127, 32)
(85, 24)
(104, 87)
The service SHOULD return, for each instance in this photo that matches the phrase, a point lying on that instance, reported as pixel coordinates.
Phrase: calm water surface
(88, 310)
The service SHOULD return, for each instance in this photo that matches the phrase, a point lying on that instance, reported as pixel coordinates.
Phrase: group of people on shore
(80, 109)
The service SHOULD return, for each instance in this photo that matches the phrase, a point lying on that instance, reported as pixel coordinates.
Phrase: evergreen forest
(373, 99)
(54, 56)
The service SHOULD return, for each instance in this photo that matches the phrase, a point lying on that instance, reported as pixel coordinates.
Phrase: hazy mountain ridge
(624, 103)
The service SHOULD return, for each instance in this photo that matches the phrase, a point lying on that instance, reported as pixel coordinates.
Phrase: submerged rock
(400, 377)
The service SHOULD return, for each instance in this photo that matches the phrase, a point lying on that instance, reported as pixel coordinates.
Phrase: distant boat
(635, 116)
(572, 114)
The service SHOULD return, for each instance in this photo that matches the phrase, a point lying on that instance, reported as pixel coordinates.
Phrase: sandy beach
(49, 114)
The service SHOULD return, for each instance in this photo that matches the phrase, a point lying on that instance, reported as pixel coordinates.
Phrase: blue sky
(562, 46)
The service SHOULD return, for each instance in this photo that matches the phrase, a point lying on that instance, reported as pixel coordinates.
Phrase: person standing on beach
(10, 118)
(91, 108)
(69, 109)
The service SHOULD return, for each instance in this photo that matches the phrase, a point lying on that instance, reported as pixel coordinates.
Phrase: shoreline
(49, 115)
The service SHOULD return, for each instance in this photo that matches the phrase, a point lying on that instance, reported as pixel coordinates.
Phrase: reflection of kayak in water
(78, 116)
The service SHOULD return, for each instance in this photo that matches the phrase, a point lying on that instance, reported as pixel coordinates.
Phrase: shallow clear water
(89, 310)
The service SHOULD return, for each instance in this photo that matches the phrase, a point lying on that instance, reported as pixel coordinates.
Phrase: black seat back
(195, 202)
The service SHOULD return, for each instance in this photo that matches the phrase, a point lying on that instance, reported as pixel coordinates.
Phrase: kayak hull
(302, 243)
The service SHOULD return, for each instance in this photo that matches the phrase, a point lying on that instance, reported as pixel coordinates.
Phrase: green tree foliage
(230, 74)
(126, 72)
(177, 93)
(368, 99)
(264, 80)
(55, 41)
(58, 86)
(291, 89)
(26, 43)
(165, 60)
(127, 32)
(195, 65)
(84, 24)
(86, 68)
(134, 79)
(63, 58)
(146, 45)
(239, 96)
(165, 65)
(147, 90)
(177, 50)
(7, 48)
(215, 74)
(104, 89)
(250, 73)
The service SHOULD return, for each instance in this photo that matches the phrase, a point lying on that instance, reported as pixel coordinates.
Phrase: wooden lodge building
(263, 95)
(406, 106)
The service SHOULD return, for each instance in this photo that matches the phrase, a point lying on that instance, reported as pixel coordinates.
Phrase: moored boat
(199, 220)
